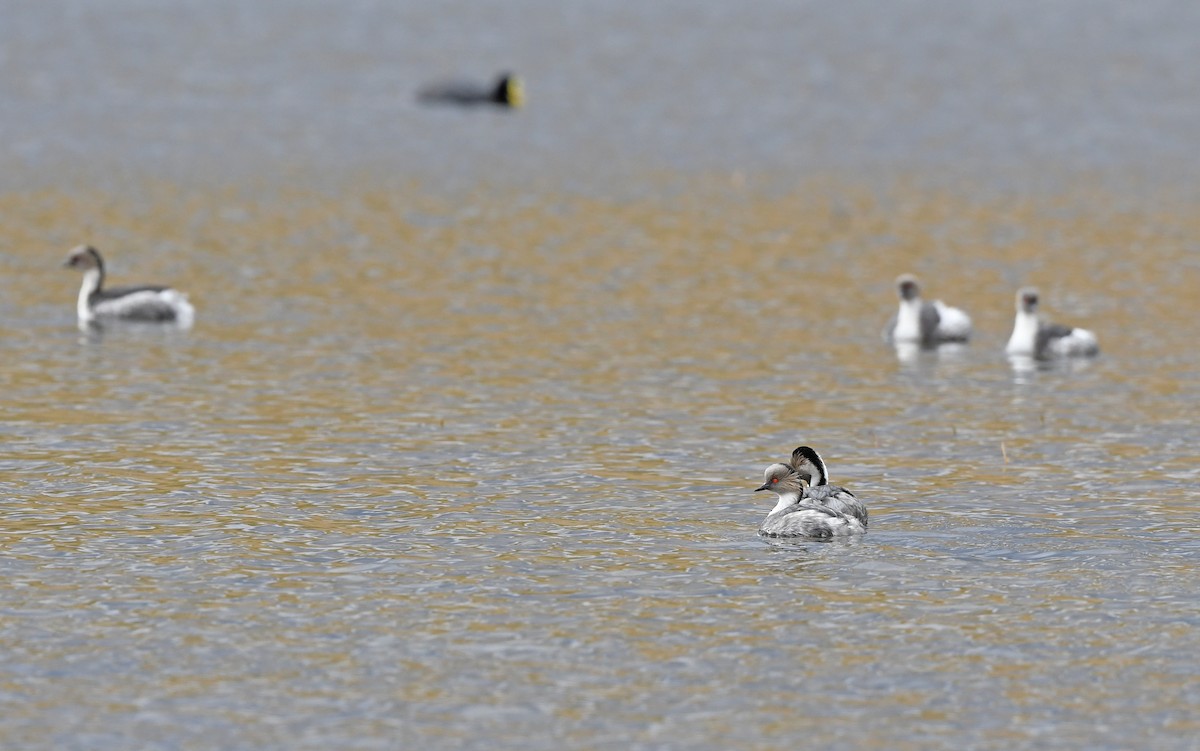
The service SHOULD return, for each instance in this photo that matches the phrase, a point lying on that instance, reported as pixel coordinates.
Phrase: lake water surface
(461, 450)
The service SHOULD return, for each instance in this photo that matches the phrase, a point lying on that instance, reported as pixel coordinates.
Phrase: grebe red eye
(774, 480)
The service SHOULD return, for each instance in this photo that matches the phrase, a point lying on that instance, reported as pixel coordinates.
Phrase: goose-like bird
(144, 303)
(926, 323)
(808, 505)
(508, 91)
(1035, 337)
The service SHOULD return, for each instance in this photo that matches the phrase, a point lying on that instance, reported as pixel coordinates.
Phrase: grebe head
(1027, 300)
(84, 257)
(510, 90)
(781, 479)
(807, 463)
(907, 287)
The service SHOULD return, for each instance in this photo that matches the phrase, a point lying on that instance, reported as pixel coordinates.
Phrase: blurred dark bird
(506, 92)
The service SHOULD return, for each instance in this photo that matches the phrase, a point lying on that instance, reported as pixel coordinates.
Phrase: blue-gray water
(461, 450)
(1014, 93)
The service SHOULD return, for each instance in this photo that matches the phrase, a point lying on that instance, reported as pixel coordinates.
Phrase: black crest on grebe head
(807, 463)
(907, 287)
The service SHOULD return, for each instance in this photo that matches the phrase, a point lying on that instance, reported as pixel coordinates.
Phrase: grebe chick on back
(926, 323)
(809, 465)
(808, 505)
(796, 515)
(142, 304)
(1035, 337)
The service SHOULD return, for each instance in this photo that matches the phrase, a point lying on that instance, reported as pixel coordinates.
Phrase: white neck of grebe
(787, 499)
(908, 319)
(91, 283)
(1024, 335)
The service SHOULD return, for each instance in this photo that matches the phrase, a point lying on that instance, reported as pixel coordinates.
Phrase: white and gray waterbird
(815, 511)
(144, 303)
(1035, 337)
(925, 323)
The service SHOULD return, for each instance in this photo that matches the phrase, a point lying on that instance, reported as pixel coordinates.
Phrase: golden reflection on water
(574, 277)
(500, 292)
(361, 359)
(506, 291)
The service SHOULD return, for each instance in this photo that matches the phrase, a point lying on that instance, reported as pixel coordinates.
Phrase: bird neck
(92, 280)
(787, 498)
(1024, 333)
(908, 319)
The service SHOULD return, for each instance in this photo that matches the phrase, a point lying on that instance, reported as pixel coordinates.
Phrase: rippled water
(443, 467)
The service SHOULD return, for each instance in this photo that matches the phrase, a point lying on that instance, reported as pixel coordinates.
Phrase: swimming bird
(927, 323)
(145, 303)
(797, 515)
(1035, 337)
(810, 467)
(508, 91)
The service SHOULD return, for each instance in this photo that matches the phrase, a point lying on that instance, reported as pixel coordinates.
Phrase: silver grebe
(809, 465)
(799, 515)
(145, 303)
(1035, 337)
(927, 323)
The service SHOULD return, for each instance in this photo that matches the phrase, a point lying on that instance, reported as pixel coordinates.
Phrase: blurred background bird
(508, 91)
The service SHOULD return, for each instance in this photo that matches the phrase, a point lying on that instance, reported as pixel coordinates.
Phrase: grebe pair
(932, 323)
(808, 505)
(142, 304)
